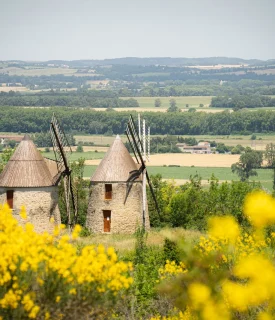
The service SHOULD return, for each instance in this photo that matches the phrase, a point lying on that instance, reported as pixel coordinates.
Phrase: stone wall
(41, 204)
(125, 217)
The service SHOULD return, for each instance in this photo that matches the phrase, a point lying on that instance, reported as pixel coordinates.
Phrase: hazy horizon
(89, 30)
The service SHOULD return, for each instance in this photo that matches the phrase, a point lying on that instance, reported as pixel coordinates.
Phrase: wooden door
(10, 198)
(107, 220)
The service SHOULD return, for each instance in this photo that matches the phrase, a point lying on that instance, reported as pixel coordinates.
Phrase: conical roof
(116, 165)
(26, 168)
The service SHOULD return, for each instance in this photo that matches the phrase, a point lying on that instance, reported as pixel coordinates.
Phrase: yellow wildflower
(224, 227)
(259, 207)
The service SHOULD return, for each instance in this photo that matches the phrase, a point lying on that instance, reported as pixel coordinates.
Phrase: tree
(5, 157)
(249, 161)
(269, 156)
(173, 106)
(157, 103)
(79, 148)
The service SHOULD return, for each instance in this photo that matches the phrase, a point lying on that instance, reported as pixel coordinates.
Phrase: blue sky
(88, 29)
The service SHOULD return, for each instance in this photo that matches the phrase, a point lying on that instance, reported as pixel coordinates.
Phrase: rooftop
(116, 165)
(26, 168)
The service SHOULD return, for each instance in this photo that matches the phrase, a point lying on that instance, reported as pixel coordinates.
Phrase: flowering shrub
(230, 273)
(45, 277)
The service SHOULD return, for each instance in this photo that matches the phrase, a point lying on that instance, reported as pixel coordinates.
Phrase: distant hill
(150, 61)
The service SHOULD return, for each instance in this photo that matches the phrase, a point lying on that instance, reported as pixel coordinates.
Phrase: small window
(10, 198)
(108, 191)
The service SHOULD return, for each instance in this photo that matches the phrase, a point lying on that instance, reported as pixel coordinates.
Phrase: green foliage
(190, 205)
(81, 187)
(5, 157)
(249, 161)
(171, 251)
(157, 103)
(79, 148)
(172, 123)
(147, 261)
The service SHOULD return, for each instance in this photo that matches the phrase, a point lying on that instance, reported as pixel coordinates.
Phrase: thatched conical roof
(26, 168)
(116, 165)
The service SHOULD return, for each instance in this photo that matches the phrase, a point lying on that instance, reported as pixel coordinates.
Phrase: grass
(265, 176)
(126, 243)
(193, 101)
(99, 140)
(90, 155)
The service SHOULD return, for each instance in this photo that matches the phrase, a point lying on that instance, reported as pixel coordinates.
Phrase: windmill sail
(140, 154)
(61, 148)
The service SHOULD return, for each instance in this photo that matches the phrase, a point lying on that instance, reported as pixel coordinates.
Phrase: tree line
(15, 119)
(242, 101)
(66, 100)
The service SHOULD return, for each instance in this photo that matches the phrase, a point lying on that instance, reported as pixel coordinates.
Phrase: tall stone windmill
(117, 202)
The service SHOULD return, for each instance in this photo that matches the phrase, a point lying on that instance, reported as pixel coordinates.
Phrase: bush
(79, 148)
(44, 276)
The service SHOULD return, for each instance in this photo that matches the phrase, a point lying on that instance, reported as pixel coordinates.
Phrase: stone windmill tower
(30, 180)
(116, 200)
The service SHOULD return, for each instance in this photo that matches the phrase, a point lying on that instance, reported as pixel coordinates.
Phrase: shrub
(45, 277)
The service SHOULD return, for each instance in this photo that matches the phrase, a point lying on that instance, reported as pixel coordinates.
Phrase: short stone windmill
(30, 180)
(61, 147)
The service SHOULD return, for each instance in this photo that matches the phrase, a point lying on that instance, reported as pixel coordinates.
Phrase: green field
(193, 101)
(265, 176)
(98, 140)
(89, 155)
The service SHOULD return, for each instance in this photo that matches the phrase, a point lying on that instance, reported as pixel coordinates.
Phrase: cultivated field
(17, 89)
(193, 101)
(37, 71)
(77, 155)
(98, 139)
(206, 109)
(187, 160)
(182, 174)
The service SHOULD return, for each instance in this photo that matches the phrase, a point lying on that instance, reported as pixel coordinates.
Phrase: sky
(98, 29)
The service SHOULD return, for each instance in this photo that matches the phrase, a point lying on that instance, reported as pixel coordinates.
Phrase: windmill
(140, 146)
(61, 147)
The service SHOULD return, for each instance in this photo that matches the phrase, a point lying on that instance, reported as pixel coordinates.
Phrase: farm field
(193, 101)
(98, 139)
(206, 109)
(37, 71)
(182, 174)
(76, 155)
(207, 160)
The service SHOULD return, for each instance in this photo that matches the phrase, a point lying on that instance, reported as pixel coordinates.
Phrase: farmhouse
(201, 148)
(115, 204)
(4, 139)
(27, 180)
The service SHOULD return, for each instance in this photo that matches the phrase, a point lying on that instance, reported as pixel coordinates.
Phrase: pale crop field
(17, 89)
(38, 71)
(182, 159)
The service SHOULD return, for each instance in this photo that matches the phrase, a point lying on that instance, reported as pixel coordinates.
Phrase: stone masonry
(41, 204)
(125, 218)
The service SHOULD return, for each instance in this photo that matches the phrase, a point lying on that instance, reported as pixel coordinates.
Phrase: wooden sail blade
(60, 145)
